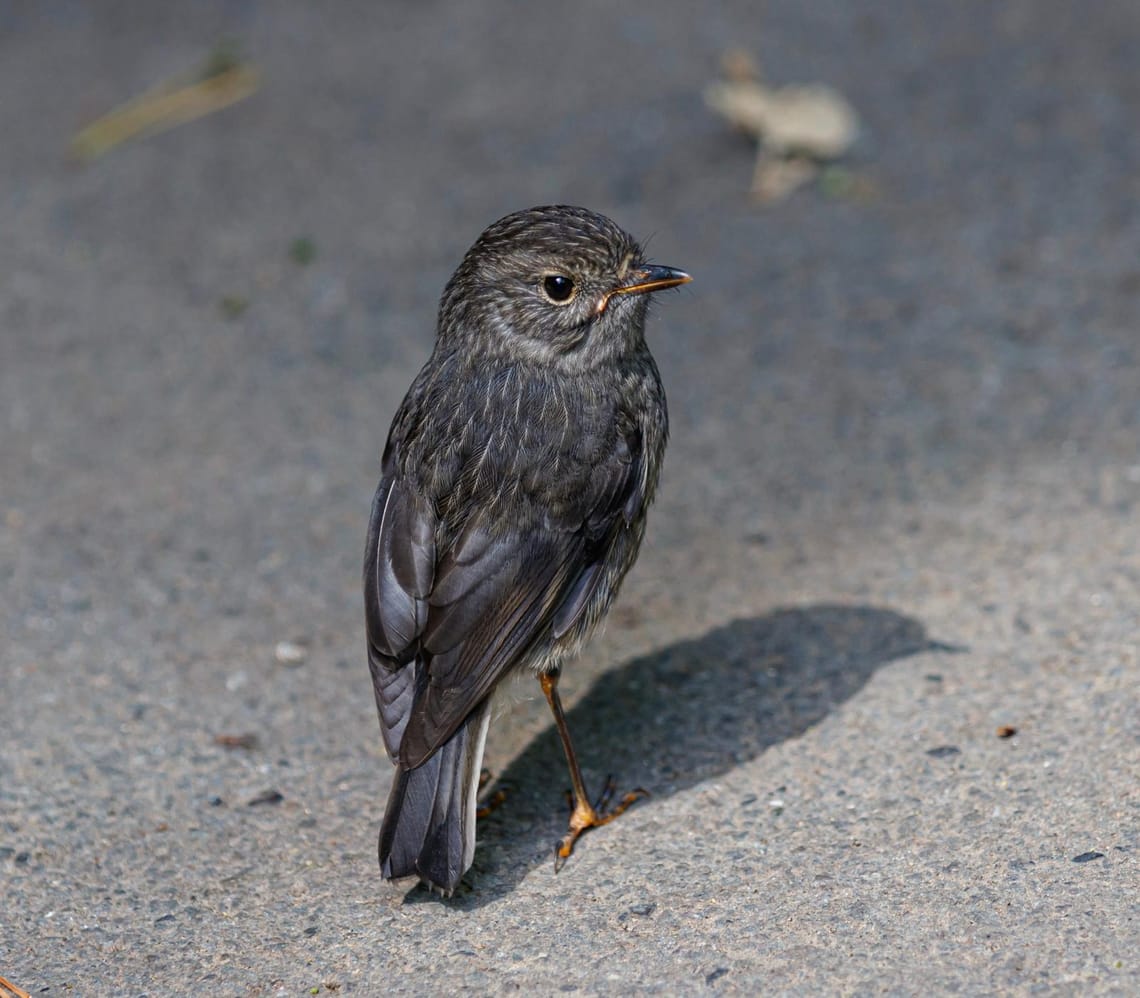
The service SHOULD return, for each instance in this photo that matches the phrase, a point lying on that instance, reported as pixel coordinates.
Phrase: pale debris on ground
(798, 127)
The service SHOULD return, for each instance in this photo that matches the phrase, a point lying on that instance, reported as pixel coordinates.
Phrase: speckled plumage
(511, 504)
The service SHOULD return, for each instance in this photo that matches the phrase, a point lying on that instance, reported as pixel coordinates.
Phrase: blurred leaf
(814, 121)
(303, 251)
(796, 127)
(846, 185)
(233, 306)
(224, 81)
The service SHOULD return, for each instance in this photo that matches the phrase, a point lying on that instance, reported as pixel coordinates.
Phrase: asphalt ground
(897, 522)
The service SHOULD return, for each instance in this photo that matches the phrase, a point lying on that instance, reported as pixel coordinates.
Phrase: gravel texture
(898, 517)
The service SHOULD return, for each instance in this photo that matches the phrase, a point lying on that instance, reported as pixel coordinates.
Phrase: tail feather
(429, 823)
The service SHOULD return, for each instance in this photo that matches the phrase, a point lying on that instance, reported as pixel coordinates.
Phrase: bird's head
(557, 285)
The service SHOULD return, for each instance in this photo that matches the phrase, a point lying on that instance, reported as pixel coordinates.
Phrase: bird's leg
(494, 800)
(584, 814)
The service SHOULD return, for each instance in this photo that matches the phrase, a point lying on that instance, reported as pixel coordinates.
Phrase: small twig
(166, 106)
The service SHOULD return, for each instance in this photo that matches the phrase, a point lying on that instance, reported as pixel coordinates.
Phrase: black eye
(557, 287)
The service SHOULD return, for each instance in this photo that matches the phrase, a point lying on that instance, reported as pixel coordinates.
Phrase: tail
(429, 824)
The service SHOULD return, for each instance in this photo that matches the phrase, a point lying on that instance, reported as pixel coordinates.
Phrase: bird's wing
(445, 626)
(399, 566)
(493, 600)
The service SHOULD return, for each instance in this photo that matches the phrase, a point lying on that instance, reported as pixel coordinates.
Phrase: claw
(490, 804)
(586, 816)
(608, 791)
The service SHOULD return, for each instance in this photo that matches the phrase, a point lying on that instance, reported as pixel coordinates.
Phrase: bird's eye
(558, 288)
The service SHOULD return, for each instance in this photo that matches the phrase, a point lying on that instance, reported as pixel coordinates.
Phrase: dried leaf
(813, 121)
(776, 178)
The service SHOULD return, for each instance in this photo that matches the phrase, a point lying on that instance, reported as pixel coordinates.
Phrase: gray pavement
(899, 511)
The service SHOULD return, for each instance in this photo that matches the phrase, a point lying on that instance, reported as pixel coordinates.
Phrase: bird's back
(520, 445)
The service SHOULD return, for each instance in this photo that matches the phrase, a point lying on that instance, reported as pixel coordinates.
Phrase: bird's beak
(647, 278)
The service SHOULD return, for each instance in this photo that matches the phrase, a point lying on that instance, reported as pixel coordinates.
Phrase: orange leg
(491, 802)
(584, 815)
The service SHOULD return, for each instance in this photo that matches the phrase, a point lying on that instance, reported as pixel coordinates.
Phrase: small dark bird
(512, 502)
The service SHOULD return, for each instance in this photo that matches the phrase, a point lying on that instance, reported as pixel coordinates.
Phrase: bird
(512, 502)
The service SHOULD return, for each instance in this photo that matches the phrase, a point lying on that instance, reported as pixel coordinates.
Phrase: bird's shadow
(682, 715)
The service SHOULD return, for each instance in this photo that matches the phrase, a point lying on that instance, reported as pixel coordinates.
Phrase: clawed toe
(606, 795)
(586, 816)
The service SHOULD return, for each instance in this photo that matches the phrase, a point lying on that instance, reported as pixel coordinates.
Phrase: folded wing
(444, 626)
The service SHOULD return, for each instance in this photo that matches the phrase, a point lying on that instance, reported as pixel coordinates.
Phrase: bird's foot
(492, 802)
(586, 816)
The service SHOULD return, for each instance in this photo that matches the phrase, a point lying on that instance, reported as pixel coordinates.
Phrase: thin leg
(492, 802)
(584, 815)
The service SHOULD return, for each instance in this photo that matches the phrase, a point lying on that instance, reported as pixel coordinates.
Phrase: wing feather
(453, 607)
